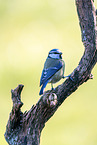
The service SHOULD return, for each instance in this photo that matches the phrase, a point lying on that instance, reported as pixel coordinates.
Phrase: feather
(43, 87)
(48, 73)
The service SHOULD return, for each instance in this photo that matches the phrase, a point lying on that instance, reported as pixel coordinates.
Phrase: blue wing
(48, 73)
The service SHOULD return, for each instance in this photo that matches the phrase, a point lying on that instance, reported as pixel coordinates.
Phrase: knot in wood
(52, 100)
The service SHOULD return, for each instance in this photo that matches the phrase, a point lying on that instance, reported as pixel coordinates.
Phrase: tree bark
(25, 128)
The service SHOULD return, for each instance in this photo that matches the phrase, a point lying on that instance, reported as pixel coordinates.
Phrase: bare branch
(26, 128)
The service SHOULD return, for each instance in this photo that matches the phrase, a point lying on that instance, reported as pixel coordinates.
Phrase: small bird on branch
(53, 70)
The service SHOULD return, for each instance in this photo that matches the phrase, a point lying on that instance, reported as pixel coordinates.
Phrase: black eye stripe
(54, 53)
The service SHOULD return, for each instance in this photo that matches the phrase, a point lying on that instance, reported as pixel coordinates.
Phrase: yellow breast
(57, 76)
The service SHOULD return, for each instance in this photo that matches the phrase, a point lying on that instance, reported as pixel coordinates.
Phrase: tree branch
(25, 128)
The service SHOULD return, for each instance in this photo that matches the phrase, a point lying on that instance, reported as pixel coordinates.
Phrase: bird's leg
(69, 76)
(52, 87)
(64, 77)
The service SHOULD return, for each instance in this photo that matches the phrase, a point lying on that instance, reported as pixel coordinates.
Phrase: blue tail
(43, 87)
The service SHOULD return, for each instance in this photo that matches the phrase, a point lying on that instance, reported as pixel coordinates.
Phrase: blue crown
(55, 51)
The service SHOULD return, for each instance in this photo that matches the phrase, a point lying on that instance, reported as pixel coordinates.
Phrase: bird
(53, 70)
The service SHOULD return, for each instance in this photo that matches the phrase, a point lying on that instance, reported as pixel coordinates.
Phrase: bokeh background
(29, 29)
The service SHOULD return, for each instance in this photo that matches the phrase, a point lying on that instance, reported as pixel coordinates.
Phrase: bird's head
(55, 54)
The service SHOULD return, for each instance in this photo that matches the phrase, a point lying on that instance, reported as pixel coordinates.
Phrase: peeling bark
(25, 128)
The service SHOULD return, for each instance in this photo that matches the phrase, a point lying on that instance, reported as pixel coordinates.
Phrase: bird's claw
(69, 76)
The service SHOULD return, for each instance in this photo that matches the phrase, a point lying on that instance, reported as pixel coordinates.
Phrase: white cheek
(54, 56)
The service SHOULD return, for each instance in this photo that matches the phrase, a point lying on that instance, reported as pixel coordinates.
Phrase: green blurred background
(28, 30)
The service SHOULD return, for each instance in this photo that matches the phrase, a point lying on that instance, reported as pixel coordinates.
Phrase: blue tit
(53, 70)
